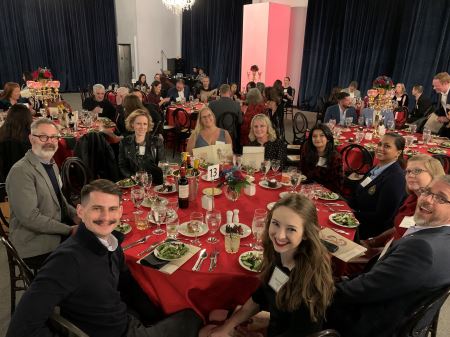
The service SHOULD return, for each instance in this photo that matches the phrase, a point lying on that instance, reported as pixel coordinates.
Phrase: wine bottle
(183, 189)
(189, 166)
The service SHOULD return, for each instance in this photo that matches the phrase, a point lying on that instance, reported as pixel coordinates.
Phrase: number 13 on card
(213, 172)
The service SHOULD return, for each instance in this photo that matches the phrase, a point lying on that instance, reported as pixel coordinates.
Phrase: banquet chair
(444, 160)
(74, 175)
(400, 116)
(182, 129)
(111, 95)
(228, 121)
(299, 128)
(20, 275)
(289, 106)
(326, 333)
(85, 92)
(423, 321)
(357, 162)
(63, 327)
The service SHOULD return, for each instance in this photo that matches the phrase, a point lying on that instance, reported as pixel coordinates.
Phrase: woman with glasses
(206, 132)
(381, 191)
(420, 171)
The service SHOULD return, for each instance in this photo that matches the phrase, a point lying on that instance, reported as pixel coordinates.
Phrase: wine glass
(413, 128)
(148, 187)
(213, 219)
(137, 196)
(275, 164)
(332, 123)
(164, 165)
(295, 181)
(348, 121)
(196, 223)
(258, 223)
(237, 161)
(159, 214)
(409, 141)
(265, 167)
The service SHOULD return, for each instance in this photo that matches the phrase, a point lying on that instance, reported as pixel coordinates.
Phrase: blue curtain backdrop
(347, 40)
(76, 39)
(212, 38)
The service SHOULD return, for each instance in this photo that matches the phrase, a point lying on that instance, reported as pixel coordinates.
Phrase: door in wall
(124, 58)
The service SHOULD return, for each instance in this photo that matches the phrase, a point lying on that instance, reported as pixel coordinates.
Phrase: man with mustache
(87, 278)
(415, 267)
(40, 214)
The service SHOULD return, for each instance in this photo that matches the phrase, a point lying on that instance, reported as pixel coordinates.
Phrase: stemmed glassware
(295, 181)
(332, 123)
(409, 141)
(265, 167)
(137, 197)
(275, 164)
(258, 223)
(196, 221)
(159, 214)
(213, 219)
(237, 161)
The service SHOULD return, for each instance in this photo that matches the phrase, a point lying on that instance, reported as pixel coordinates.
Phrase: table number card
(347, 249)
(212, 172)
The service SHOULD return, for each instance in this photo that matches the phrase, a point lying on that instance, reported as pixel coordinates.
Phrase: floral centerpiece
(383, 82)
(42, 74)
(235, 182)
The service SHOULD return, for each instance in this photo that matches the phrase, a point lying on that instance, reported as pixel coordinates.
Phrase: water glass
(361, 120)
(359, 136)
(172, 228)
(348, 121)
(413, 128)
(332, 123)
(213, 219)
(258, 225)
(390, 124)
(232, 243)
(265, 167)
(237, 161)
(196, 223)
(140, 220)
(369, 122)
(137, 196)
(141, 178)
(409, 141)
(159, 215)
(275, 164)
(426, 136)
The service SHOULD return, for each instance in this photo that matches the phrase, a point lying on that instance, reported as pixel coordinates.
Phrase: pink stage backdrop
(265, 41)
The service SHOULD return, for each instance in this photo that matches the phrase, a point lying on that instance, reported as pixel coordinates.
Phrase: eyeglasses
(425, 192)
(414, 172)
(45, 138)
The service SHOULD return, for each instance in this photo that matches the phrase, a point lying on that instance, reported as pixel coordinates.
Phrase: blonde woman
(140, 150)
(294, 253)
(401, 97)
(206, 132)
(263, 134)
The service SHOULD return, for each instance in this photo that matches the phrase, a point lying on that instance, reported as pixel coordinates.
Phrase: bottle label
(183, 191)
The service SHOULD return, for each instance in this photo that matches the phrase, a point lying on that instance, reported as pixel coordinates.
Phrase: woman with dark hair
(293, 252)
(288, 92)
(255, 106)
(319, 159)
(26, 76)
(14, 137)
(141, 83)
(278, 85)
(10, 95)
(378, 197)
(154, 96)
(276, 107)
(250, 85)
(235, 94)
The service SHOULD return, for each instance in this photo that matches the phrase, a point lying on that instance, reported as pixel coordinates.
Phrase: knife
(201, 256)
(135, 243)
(150, 249)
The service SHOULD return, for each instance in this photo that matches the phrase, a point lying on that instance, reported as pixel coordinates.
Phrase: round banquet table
(355, 156)
(228, 284)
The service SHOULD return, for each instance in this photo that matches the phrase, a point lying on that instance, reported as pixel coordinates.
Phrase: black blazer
(377, 203)
(440, 110)
(378, 302)
(420, 109)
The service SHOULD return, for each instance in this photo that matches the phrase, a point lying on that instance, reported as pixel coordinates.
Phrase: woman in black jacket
(142, 150)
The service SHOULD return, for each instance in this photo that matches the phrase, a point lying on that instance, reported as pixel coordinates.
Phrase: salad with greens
(345, 219)
(327, 195)
(171, 250)
(123, 228)
(126, 183)
(252, 261)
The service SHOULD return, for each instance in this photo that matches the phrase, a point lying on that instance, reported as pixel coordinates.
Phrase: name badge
(278, 279)
(408, 221)
(366, 182)
(141, 150)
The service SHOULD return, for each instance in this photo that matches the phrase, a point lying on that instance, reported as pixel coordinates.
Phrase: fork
(213, 259)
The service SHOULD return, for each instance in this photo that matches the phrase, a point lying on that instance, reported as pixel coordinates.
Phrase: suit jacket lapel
(40, 169)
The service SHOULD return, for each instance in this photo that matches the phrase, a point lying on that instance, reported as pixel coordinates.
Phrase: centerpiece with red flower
(234, 180)
(42, 74)
(383, 82)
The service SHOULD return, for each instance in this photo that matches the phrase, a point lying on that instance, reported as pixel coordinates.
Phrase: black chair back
(326, 333)
(356, 159)
(183, 125)
(63, 327)
(445, 161)
(424, 320)
(74, 175)
(299, 128)
(20, 275)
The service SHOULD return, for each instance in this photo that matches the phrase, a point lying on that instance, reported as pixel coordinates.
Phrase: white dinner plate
(246, 230)
(212, 191)
(264, 184)
(157, 254)
(172, 215)
(249, 252)
(288, 184)
(339, 224)
(183, 229)
(158, 188)
(148, 203)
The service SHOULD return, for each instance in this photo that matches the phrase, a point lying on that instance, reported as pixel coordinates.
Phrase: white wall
(149, 27)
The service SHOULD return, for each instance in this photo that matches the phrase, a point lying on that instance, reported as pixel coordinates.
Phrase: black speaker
(175, 66)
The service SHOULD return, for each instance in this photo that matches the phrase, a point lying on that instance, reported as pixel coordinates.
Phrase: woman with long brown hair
(10, 95)
(297, 283)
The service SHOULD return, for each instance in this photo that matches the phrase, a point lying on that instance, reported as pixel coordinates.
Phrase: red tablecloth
(229, 284)
(189, 109)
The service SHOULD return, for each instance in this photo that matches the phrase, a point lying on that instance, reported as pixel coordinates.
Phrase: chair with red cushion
(400, 116)
(111, 97)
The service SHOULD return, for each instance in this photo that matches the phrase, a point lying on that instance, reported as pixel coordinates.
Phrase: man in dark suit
(99, 104)
(341, 110)
(179, 93)
(423, 104)
(225, 104)
(377, 303)
(441, 84)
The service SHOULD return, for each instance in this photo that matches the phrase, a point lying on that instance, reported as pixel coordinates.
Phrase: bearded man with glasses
(41, 217)
(413, 270)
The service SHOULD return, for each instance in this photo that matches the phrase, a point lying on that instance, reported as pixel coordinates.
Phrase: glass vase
(231, 193)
